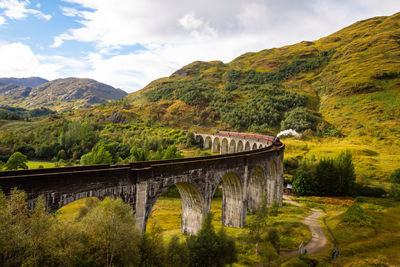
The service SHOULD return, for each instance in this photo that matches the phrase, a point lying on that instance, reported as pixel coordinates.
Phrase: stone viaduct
(243, 176)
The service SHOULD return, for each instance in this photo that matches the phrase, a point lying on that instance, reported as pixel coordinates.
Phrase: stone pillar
(192, 208)
(141, 205)
(215, 145)
(233, 208)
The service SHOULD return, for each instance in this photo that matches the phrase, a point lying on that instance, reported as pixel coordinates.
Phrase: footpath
(318, 239)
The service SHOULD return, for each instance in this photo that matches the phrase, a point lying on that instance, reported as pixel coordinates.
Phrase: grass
(360, 245)
(36, 164)
(166, 214)
(372, 162)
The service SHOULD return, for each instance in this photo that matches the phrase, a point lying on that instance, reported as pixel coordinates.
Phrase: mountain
(24, 82)
(344, 84)
(60, 94)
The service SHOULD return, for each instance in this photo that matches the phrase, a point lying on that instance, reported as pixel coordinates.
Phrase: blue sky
(129, 43)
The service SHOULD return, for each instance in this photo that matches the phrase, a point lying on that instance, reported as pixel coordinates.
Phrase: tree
(139, 154)
(395, 176)
(259, 223)
(17, 160)
(109, 233)
(273, 238)
(302, 182)
(204, 247)
(40, 237)
(152, 251)
(98, 155)
(346, 175)
(177, 253)
(229, 253)
(268, 253)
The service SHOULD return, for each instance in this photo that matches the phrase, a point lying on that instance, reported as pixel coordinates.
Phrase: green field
(37, 164)
(360, 246)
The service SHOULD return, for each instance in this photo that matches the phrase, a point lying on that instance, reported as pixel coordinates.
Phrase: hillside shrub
(299, 119)
(17, 161)
(357, 216)
(395, 176)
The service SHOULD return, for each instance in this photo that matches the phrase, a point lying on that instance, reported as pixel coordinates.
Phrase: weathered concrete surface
(244, 177)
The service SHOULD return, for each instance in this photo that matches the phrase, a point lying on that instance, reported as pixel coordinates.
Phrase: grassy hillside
(346, 85)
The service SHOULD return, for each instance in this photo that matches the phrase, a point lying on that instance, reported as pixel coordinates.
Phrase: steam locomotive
(276, 141)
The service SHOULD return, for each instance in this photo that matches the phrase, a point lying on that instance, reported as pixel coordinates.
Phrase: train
(274, 139)
(277, 142)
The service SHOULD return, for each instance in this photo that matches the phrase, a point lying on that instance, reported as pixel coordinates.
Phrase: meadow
(167, 214)
(377, 243)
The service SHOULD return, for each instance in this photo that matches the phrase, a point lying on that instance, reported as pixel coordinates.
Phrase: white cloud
(15, 9)
(69, 12)
(2, 20)
(177, 32)
(190, 22)
(22, 62)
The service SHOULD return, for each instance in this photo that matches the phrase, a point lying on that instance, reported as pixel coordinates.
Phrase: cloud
(174, 33)
(15, 9)
(69, 12)
(22, 61)
(2, 20)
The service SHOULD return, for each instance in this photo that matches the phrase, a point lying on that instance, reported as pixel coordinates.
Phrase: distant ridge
(59, 94)
(27, 82)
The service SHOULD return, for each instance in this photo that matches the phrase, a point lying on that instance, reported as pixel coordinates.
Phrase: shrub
(356, 216)
(395, 176)
(299, 119)
(16, 161)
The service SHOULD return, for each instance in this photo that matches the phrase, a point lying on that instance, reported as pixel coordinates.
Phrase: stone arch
(207, 142)
(199, 139)
(254, 146)
(247, 146)
(232, 146)
(272, 182)
(216, 145)
(256, 188)
(239, 146)
(260, 146)
(233, 214)
(55, 201)
(224, 146)
(192, 207)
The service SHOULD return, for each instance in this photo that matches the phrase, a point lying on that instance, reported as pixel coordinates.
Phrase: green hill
(347, 82)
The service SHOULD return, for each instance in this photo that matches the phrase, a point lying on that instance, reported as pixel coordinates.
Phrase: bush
(395, 176)
(369, 191)
(356, 216)
(299, 119)
(16, 161)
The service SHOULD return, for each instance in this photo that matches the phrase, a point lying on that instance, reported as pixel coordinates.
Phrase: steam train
(276, 141)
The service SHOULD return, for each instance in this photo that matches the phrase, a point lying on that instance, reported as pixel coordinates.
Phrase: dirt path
(318, 239)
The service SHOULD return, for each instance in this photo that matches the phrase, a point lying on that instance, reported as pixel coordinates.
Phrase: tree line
(89, 142)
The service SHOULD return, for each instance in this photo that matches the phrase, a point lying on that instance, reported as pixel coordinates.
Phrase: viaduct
(248, 167)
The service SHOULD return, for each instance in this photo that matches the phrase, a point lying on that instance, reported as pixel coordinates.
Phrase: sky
(129, 43)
